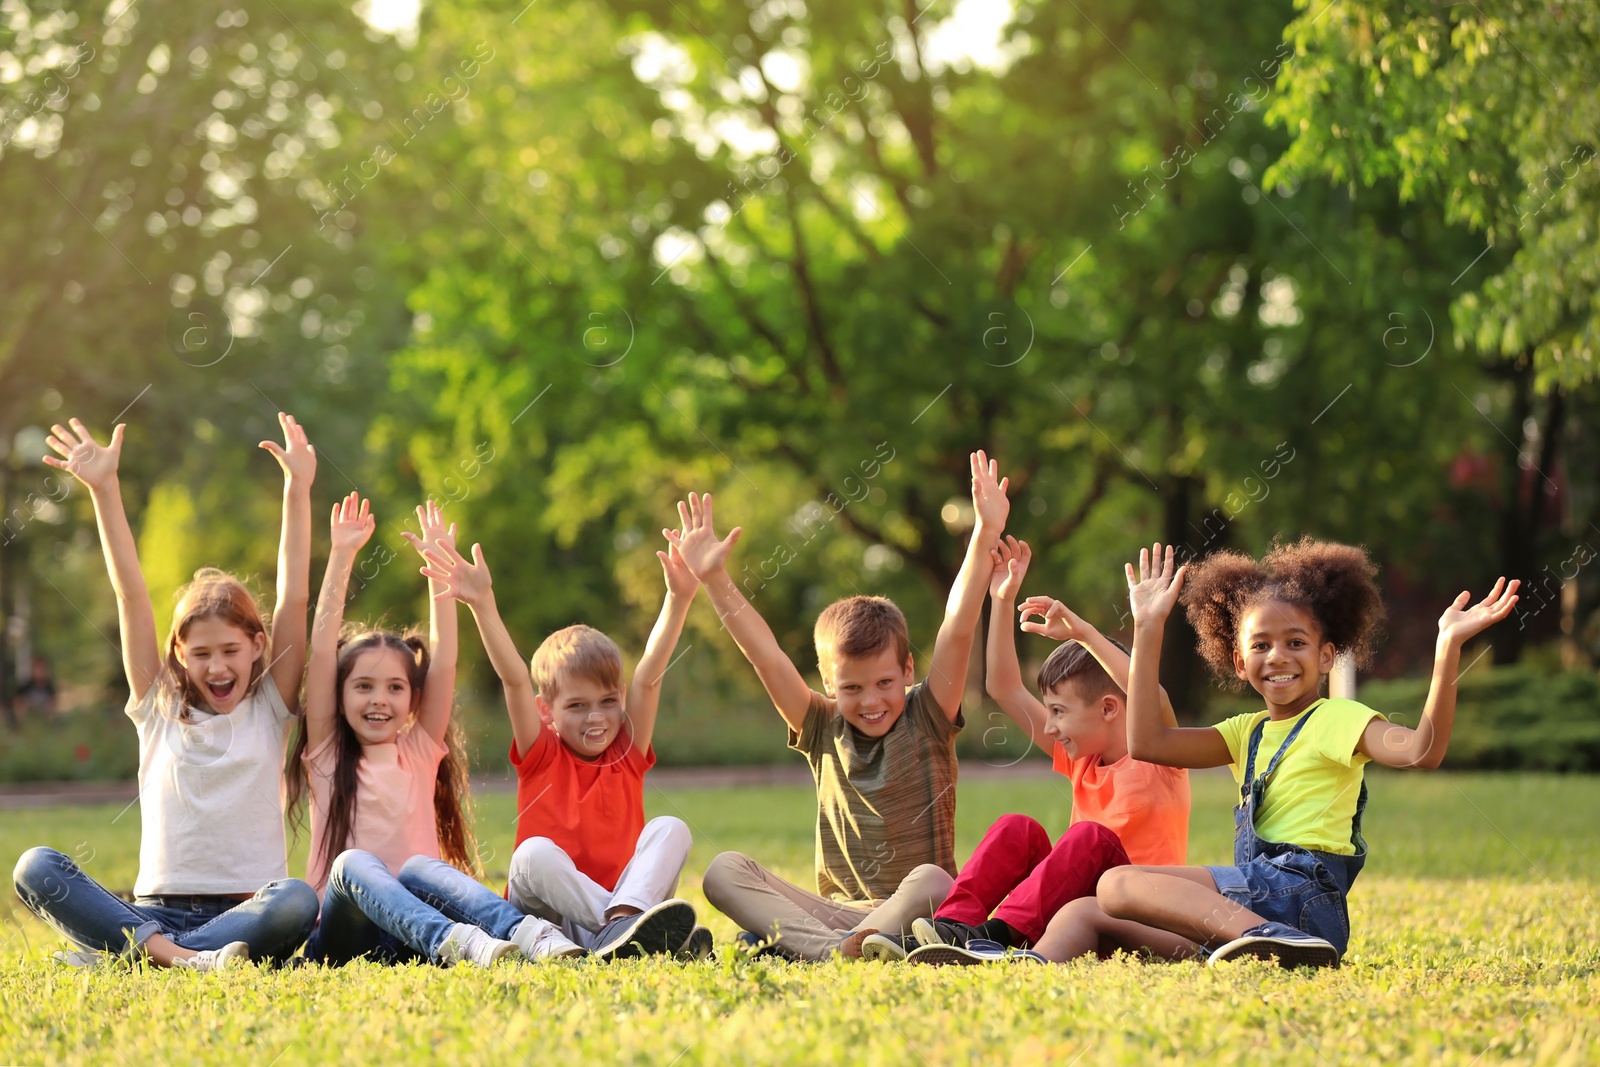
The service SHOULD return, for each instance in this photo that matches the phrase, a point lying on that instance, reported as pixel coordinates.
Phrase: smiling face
(376, 695)
(1282, 655)
(219, 658)
(1085, 727)
(870, 691)
(586, 715)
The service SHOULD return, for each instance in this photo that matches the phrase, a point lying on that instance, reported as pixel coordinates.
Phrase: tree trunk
(1182, 670)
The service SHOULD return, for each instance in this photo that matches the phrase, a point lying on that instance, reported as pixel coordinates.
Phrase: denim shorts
(1295, 888)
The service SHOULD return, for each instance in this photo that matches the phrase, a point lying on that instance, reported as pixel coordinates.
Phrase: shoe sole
(940, 955)
(659, 931)
(697, 946)
(878, 948)
(925, 932)
(1288, 954)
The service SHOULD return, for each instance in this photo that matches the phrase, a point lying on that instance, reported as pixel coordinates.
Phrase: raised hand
(697, 542)
(1460, 623)
(989, 492)
(296, 456)
(94, 465)
(681, 581)
(430, 520)
(1010, 558)
(1154, 592)
(351, 524)
(1060, 622)
(469, 583)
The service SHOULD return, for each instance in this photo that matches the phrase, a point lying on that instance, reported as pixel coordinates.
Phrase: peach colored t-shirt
(394, 802)
(1145, 804)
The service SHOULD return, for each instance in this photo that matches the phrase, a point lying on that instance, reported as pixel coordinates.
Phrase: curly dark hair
(1333, 582)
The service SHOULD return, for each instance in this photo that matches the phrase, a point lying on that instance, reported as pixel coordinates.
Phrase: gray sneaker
(660, 930)
(1277, 941)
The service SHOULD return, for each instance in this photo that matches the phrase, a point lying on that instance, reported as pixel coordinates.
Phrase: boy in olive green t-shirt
(881, 749)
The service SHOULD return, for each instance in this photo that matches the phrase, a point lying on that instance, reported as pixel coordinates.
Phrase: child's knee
(725, 875)
(38, 874)
(297, 902)
(346, 866)
(1076, 914)
(1020, 827)
(929, 881)
(670, 832)
(1115, 892)
(536, 853)
(415, 870)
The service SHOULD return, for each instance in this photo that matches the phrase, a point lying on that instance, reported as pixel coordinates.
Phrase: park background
(1204, 275)
(1209, 274)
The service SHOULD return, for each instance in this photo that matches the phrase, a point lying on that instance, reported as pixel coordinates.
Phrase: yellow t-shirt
(1311, 797)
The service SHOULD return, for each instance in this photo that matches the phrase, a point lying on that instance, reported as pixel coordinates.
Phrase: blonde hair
(860, 626)
(213, 594)
(576, 652)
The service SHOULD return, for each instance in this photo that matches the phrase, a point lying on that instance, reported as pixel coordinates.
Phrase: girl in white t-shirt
(212, 715)
(386, 778)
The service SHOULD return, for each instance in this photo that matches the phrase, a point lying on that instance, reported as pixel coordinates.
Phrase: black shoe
(944, 932)
(754, 946)
(697, 946)
(888, 946)
(658, 930)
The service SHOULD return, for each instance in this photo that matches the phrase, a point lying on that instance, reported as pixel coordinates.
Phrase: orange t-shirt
(593, 810)
(1146, 805)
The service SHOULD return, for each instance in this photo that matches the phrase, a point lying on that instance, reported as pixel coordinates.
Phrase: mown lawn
(1475, 942)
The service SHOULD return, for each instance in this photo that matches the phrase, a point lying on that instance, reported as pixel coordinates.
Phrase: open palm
(1154, 592)
(1459, 622)
(697, 541)
(93, 464)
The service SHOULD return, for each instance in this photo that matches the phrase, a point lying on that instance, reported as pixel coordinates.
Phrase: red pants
(1014, 863)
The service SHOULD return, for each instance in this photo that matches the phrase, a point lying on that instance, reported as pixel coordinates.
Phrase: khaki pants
(809, 925)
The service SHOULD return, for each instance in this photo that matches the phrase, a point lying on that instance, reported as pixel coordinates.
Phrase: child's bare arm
(1399, 746)
(644, 693)
(439, 690)
(95, 465)
(947, 672)
(471, 584)
(349, 528)
(1153, 595)
(299, 462)
(1002, 672)
(706, 557)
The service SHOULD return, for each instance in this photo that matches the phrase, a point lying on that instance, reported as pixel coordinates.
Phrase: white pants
(545, 882)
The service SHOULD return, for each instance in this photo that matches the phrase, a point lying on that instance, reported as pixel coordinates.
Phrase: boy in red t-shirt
(1122, 809)
(586, 860)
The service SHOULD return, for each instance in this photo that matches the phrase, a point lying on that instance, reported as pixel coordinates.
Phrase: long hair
(1333, 582)
(213, 594)
(452, 789)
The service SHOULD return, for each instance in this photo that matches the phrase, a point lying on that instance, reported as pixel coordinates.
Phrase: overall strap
(1277, 757)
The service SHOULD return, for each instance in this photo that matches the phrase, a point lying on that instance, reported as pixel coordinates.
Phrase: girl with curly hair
(1277, 624)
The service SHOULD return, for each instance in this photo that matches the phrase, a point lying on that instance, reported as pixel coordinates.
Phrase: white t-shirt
(212, 792)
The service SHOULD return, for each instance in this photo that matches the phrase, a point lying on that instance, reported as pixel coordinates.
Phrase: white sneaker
(469, 943)
(216, 959)
(537, 939)
(83, 959)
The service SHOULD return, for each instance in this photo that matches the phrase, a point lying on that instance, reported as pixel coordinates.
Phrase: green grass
(1475, 931)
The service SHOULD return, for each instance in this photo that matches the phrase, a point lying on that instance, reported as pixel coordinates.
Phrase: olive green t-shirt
(885, 805)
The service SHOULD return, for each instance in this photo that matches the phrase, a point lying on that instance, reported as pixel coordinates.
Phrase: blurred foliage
(558, 266)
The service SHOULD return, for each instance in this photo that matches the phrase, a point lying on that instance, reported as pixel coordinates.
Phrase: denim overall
(1300, 887)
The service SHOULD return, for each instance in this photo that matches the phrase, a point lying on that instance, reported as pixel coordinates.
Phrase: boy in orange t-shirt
(586, 860)
(1123, 810)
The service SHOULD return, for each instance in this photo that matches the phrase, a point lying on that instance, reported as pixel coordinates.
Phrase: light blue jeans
(366, 911)
(459, 896)
(273, 922)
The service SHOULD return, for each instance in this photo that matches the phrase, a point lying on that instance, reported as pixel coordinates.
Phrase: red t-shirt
(1145, 804)
(593, 810)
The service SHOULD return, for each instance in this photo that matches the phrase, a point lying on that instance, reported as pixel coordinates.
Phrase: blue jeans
(368, 912)
(1295, 887)
(460, 896)
(273, 923)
